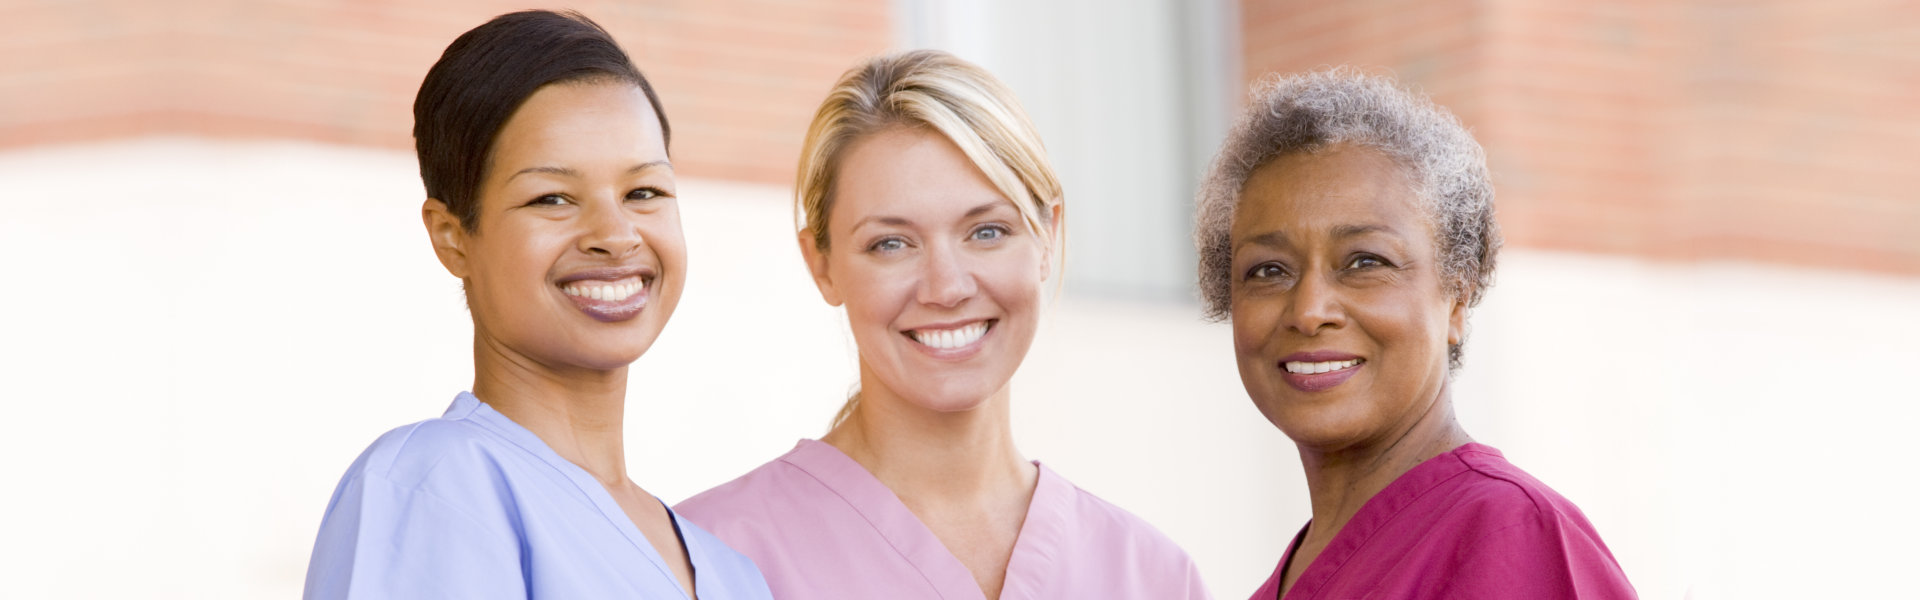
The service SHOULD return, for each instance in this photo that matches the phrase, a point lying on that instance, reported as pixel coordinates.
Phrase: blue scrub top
(472, 505)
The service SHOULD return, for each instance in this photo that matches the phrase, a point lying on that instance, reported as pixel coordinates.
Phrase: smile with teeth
(603, 291)
(1310, 368)
(947, 339)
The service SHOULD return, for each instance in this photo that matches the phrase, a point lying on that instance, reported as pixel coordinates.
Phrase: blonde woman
(928, 210)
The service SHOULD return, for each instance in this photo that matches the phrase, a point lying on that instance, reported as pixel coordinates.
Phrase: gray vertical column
(1131, 97)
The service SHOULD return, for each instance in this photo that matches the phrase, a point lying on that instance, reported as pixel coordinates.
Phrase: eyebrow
(569, 172)
(1278, 239)
(904, 222)
(1347, 231)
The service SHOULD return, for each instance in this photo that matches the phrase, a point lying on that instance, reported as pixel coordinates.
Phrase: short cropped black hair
(483, 78)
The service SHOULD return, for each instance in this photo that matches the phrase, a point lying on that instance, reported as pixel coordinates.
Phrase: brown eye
(1264, 271)
(550, 200)
(1364, 261)
(644, 194)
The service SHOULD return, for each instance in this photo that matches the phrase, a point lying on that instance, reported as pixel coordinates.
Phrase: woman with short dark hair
(551, 197)
(1346, 229)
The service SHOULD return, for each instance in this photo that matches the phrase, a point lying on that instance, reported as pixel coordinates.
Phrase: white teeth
(605, 293)
(1307, 368)
(945, 339)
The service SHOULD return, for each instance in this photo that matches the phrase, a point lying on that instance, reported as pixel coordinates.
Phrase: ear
(448, 236)
(1457, 320)
(817, 264)
(1056, 239)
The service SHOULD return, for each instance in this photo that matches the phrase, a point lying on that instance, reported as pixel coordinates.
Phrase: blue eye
(990, 233)
(887, 244)
(550, 200)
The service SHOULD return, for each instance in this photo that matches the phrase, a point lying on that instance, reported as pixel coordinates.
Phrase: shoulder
(1497, 490)
(451, 465)
(768, 489)
(1096, 520)
(416, 454)
(422, 509)
(1110, 544)
(1516, 530)
(788, 522)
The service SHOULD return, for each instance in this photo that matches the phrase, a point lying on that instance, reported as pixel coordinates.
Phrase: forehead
(1315, 192)
(581, 124)
(913, 173)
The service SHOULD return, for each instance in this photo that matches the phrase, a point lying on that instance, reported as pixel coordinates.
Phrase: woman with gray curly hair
(1345, 229)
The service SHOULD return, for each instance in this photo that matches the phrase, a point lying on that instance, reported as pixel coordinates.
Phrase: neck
(924, 454)
(1342, 480)
(577, 412)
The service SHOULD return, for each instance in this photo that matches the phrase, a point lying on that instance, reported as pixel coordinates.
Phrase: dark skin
(578, 184)
(1332, 255)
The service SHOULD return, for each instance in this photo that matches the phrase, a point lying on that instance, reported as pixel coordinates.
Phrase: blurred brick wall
(739, 78)
(1775, 131)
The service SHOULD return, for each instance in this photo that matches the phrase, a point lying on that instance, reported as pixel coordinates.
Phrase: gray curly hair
(1312, 111)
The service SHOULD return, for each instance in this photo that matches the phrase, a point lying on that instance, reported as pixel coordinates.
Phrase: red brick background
(739, 78)
(1768, 130)
(1776, 131)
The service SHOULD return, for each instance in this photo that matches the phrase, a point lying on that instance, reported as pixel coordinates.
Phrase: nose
(945, 280)
(1313, 307)
(610, 232)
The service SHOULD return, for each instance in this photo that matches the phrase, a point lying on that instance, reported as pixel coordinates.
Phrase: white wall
(196, 337)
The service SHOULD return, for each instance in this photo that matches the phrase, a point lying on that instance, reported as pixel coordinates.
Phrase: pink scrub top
(1465, 524)
(820, 526)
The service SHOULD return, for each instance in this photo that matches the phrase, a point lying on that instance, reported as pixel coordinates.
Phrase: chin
(610, 354)
(1324, 429)
(943, 403)
(962, 395)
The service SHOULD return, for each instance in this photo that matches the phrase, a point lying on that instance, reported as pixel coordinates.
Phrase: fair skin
(942, 283)
(578, 201)
(1341, 326)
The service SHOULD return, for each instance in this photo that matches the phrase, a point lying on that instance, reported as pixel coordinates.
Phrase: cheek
(1253, 323)
(1015, 285)
(665, 237)
(669, 250)
(1411, 324)
(874, 294)
(513, 259)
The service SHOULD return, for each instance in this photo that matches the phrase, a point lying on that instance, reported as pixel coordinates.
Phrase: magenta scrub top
(820, 526)
(1465, 524)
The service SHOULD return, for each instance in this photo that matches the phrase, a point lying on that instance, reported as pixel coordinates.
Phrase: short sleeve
(1548, 557)
(1196, 589)
(380, 541)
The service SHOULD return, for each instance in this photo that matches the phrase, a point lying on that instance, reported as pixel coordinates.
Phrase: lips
(1319, 370)
(609, 295)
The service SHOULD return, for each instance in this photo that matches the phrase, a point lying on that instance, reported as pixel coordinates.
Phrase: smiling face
(940, 277)
(1340, 321)
(577, 258)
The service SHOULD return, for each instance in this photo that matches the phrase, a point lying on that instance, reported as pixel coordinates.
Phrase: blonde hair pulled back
(934, 90)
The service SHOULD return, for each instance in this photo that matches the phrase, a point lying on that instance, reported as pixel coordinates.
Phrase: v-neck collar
(1373, 517)
(466, 406)
(1043, 531)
